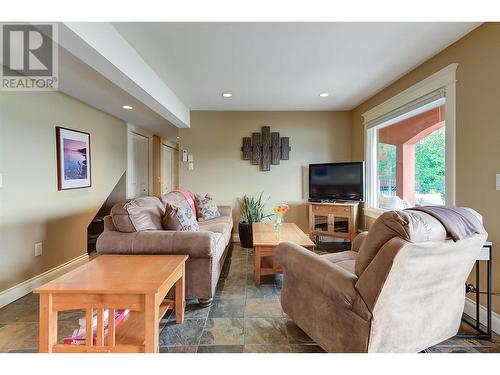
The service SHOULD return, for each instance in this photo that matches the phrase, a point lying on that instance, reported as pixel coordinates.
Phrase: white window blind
(413, 108)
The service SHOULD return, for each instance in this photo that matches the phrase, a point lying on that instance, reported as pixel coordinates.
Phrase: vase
(278, 223)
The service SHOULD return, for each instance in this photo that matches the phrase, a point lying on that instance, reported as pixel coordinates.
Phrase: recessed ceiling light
(227, 95)
(127, 107)
(178, 137)
(324, 94)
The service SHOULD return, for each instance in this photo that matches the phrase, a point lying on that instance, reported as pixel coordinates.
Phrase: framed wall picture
(73, 159)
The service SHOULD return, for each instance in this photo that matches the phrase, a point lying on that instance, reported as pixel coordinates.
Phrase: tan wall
(477, 124)
(215, 140)
(31, 208)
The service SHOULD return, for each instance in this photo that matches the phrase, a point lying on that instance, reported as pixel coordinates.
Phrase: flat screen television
(336, 181)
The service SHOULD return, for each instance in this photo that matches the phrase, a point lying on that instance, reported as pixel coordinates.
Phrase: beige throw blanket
(459, 222)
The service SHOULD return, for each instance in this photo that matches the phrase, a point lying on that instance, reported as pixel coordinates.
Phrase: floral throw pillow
(206, 208)
(179, 218)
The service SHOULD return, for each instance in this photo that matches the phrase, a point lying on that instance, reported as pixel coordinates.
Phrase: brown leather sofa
(401, 288)
(135, 227)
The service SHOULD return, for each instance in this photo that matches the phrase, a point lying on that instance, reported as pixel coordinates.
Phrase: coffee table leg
(151, 325)
(180, 298)
(48, 324)
(256, 268)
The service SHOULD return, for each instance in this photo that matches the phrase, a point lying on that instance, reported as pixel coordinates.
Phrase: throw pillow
(206, 208)
(179, 218)
(139, 214)
(189, 198)
(179, 198)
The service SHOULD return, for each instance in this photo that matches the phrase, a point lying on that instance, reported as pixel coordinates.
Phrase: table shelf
(94, 288)
(131, 331)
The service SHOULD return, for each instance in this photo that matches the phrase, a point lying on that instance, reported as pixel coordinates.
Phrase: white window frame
(445, 78)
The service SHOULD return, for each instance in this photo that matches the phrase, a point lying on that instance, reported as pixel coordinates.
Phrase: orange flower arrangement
(279, 212)
(281, 209)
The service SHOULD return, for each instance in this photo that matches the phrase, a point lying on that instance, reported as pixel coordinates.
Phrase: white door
(169, 168)
(138, 165)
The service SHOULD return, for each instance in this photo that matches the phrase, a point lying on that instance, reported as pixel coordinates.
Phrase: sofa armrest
(326, 277)
(225, 210)
(358, 241)
(200, 244)
(108, 223)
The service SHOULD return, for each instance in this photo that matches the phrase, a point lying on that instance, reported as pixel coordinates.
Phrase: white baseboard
(20, 290)
(470, 309)
(236, 237)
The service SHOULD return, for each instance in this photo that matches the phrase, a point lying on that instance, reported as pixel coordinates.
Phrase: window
(387, 169)
(410, 147)
(411, 160)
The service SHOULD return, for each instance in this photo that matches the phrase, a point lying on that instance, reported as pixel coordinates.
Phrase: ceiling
(164, 70)
(80, 81)
(284, 66)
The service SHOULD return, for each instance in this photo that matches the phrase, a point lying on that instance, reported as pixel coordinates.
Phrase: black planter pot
(246, 234)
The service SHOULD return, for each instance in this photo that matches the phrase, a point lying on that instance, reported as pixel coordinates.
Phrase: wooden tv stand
(333, 219)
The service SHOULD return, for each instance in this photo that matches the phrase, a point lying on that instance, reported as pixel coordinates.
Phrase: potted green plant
(252, 211)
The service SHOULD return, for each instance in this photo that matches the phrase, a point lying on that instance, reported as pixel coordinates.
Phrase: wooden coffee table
(135, 282)
(265, 241)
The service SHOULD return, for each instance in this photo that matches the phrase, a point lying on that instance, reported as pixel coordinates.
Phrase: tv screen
(342, 181)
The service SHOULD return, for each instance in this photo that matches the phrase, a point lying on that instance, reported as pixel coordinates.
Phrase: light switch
(191, 166)
(38, 249)
(190, 158)
(184, 155)
(498, 181)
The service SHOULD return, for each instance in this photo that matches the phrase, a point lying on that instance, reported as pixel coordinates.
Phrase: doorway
(170, 168)
(138, 165)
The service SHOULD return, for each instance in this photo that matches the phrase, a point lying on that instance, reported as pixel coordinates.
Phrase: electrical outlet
(38, 249)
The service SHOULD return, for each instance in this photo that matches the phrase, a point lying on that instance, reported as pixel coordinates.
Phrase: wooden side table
(138, 283)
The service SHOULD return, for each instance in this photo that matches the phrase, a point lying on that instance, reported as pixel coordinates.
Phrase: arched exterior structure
(404, 135)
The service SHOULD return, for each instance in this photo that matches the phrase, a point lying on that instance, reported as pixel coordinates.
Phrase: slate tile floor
(242, 318)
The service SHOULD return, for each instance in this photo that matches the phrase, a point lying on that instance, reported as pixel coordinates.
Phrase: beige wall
(31, 208)
(215, 140)
(477, 124)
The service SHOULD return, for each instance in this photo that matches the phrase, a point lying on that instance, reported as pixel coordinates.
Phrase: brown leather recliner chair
(400, 289)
